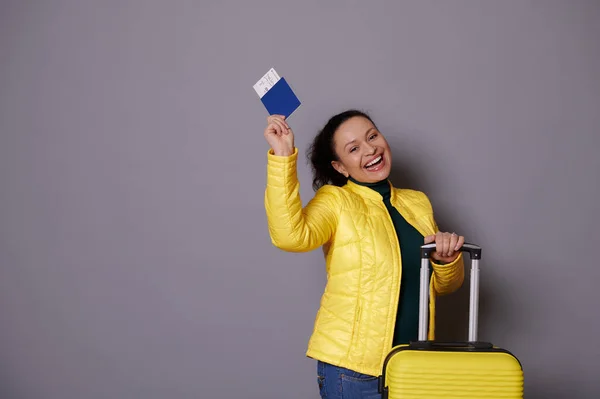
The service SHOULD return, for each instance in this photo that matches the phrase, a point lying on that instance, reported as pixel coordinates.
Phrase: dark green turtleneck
(407, 319)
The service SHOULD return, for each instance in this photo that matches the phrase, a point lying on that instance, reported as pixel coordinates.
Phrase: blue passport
(276, 95)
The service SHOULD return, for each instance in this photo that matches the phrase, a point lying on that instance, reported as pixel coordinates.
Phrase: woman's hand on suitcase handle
(447, 246)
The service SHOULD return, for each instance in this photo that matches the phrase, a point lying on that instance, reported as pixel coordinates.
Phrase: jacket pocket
(356, 325)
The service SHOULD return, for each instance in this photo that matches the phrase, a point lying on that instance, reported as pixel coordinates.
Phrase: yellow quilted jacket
(355, 322)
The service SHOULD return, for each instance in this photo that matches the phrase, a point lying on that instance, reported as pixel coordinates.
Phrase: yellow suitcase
(450, 370)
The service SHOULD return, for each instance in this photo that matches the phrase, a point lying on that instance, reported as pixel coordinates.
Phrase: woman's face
(363, 152)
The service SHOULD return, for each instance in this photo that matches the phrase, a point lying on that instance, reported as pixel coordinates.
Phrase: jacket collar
(397, 202)
(367, 192)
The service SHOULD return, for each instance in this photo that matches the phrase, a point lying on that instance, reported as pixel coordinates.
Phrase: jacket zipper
(397, 294)
(397, 298)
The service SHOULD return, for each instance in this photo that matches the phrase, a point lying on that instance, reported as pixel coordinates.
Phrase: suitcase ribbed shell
(420, 374)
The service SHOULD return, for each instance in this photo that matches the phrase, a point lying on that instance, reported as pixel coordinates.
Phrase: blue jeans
(340, 383)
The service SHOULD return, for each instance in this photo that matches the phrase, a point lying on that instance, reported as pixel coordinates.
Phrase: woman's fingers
(447, 244)
(439, 244)
(452, 244)
(279, 124)
(459, 243)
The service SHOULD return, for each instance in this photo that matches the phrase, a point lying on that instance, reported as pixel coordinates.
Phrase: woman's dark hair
(321, 152)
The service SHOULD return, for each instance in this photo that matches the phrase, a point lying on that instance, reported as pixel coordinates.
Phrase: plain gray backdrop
(135, 260)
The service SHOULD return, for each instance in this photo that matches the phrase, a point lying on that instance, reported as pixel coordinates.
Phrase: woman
(371, 235)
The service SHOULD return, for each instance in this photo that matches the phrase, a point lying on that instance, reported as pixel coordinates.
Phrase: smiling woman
(371, 233)
(363, 152)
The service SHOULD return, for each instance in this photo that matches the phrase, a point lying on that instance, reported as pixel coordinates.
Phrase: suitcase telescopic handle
(473, 250)
(475, 255)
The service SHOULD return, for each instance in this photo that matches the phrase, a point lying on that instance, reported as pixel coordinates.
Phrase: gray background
(134, 253)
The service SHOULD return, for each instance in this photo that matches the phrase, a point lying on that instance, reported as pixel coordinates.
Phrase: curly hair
(322, 152)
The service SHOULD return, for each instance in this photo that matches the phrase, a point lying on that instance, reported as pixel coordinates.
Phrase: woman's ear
(339, 167)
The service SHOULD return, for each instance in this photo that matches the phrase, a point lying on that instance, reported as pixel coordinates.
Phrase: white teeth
(373, 162)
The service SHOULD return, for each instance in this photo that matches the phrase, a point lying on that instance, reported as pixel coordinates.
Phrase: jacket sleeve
(449, 277)
(292, 227)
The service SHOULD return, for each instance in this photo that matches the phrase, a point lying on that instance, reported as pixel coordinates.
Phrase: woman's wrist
(439, 262)
(283, 153)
